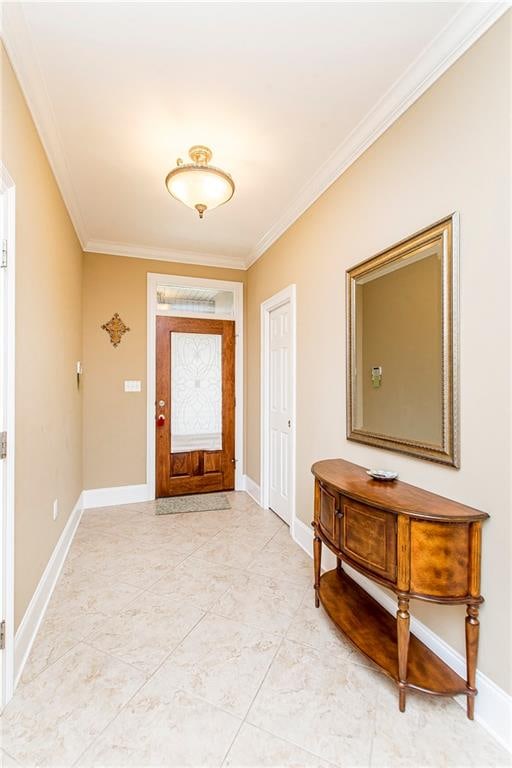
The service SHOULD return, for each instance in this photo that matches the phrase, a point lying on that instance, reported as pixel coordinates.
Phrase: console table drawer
(368, 536)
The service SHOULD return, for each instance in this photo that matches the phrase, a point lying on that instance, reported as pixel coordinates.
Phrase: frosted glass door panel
(196, 392)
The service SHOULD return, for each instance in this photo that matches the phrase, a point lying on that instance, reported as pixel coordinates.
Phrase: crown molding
(22, 54)
(164, 254)
(470, 23)
(464, 29)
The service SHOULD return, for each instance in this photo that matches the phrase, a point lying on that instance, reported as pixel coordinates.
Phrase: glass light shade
(200, 186)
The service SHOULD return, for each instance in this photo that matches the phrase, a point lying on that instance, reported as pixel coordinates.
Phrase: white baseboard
(252, 489)
(493, 706)
(109, 497)
(34, 614)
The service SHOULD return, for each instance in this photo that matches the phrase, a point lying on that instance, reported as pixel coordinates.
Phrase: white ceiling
(286, 94)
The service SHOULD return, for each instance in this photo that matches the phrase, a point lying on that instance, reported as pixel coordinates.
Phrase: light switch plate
(132, 386)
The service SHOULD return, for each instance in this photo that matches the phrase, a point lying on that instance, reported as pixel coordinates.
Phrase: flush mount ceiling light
(198, 184)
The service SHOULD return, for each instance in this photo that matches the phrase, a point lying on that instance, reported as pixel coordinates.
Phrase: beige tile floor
(193, 640)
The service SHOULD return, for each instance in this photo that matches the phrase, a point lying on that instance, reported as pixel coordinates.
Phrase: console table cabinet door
(439, 559)
(328, 506)
(368, 536)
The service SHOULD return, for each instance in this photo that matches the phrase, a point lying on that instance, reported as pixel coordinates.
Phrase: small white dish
(382, 474)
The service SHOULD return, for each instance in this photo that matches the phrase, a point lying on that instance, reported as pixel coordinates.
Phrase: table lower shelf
(373, 631)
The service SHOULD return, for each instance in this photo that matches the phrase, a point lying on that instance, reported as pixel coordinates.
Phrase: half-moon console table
(417, 544)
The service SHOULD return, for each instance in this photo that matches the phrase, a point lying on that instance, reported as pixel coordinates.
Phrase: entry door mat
(200, 502)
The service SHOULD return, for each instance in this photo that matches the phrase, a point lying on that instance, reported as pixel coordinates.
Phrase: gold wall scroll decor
(115, 329)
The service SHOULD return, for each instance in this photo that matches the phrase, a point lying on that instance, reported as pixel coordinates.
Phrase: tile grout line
(245, 721)
(270, 733)
(226, 755)
(48, 666)
(194, 695)
(82, 640)
(278, 648)
(113, 657)
(253, 627)
(209, 612)
(143, 590)
(126, 704)
(3, 749)
(297, 746)
(102, 731)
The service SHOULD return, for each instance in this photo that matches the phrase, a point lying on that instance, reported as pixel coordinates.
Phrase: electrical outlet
(55, 509)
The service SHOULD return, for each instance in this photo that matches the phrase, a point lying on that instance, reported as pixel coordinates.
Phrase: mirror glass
(401, 347)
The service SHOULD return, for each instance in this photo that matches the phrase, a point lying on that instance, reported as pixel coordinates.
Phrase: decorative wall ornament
(115, 329)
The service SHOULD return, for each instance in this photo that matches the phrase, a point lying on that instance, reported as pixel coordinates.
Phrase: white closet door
(280, 411)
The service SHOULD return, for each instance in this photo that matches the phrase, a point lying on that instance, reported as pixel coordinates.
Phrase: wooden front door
(195, 405)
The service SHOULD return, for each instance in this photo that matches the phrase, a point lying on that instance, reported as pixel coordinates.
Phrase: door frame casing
(285, 296)
(8, 188)
(154, 279)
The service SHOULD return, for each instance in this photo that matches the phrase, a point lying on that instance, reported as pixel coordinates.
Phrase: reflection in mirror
(399, 365)
(401, 362)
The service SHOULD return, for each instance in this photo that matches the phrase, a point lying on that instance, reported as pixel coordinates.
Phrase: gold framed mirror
(402, 346)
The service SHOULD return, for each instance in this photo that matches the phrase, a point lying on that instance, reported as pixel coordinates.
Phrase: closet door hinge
(3, 262)
(2, 635)
(3, 445)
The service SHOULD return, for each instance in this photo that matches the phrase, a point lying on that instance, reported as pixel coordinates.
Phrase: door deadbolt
(161, 403)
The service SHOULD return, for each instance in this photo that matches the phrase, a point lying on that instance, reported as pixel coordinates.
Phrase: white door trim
(7, 188)
(287, 295)
(155, 279)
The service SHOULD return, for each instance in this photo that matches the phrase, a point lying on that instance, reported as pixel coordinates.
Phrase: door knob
(160, 420)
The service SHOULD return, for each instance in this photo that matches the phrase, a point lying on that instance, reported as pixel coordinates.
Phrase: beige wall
(114, 420)
(48, 344)
(449, 152)
(401, 332)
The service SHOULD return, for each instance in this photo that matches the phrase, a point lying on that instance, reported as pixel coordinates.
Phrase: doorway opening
(278, 428)
(195, 385)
